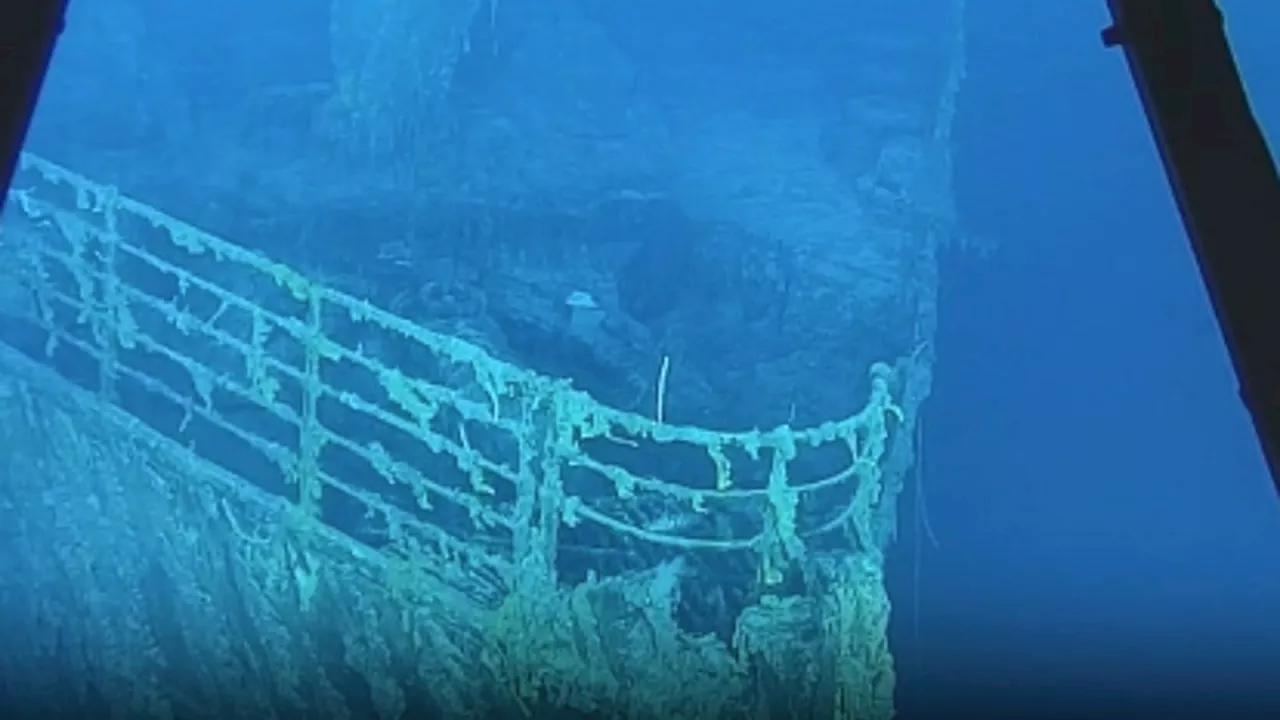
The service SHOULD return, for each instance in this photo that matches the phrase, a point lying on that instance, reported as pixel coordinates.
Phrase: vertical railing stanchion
(112, 300)
(311, 439)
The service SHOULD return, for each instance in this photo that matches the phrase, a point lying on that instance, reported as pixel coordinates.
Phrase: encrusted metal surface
(309, 504)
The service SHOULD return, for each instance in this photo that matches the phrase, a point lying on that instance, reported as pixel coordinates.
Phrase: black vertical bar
(28, 31)
(1223, 178)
